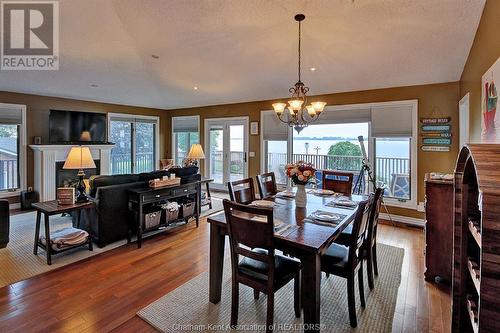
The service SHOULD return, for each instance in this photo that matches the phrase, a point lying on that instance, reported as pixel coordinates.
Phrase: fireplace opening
(66, 178)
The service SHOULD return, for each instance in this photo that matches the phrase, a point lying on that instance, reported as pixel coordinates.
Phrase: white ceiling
(246, 50)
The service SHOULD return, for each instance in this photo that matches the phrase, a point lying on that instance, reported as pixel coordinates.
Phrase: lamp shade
(79, 158)
(196, 152)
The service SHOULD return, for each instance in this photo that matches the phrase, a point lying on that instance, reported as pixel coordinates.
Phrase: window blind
(273, 128)
(391, 121)
(343, 116)
(10, 116)
(185, 124)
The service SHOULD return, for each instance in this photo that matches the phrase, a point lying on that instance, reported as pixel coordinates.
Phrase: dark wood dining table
(305, 240)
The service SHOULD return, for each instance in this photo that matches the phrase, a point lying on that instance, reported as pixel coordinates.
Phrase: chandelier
(300, 114)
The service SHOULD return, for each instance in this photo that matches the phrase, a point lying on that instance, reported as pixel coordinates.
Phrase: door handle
(245, 157)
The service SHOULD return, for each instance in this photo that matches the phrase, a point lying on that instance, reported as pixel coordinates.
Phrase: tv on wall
(77, 127)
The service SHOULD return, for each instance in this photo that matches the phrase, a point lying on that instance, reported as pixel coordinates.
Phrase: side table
(49, 208)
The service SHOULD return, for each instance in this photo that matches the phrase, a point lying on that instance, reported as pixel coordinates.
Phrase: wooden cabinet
(438, 229)
(476, 239)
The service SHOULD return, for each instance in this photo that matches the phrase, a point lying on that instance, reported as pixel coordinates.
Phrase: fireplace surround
(45, 165)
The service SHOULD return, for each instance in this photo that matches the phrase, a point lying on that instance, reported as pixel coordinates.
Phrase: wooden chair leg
(297, 295)
(361, 286)
(369, 269)
(351, 301)
(374, 254)
(256, 294)
(235, 303)
(270, 311)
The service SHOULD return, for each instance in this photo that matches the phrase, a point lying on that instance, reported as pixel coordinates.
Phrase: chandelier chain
(300, 34)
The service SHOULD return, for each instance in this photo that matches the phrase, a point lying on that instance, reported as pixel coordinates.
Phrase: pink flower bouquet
(300, 172)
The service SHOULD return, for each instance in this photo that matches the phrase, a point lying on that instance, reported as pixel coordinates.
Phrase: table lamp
(195, 153)
(79, 158)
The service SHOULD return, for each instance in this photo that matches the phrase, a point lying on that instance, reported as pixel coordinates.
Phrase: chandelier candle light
(297, 106)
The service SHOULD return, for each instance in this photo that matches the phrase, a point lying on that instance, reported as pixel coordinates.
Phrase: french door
(226, 147)
(136, 143)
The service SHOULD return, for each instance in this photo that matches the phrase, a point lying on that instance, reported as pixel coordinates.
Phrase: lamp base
(80, 188)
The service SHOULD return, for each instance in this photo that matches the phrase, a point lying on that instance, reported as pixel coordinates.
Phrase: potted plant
(300, 173)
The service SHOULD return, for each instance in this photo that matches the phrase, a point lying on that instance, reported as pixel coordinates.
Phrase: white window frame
(410, 204)
(21, 153)
(156, 119)
(174, 148)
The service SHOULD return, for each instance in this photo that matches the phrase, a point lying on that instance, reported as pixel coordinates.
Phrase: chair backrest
(373, 222)
(267, 185)
(337, 181)
(359, 228)
(242, 191)
(250, 227)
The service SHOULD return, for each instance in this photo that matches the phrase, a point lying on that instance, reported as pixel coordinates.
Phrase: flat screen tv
(77, 127)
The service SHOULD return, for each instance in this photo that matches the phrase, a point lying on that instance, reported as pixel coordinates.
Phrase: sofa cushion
(153, 175)
(185, 171)
(100, 181)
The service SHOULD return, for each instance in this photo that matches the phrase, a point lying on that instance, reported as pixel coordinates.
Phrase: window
(12, 148)
(331, 146)
(392, 167)
(185, 133)
(136, 143)
(274, 146)
(394, 130)
(389, 130)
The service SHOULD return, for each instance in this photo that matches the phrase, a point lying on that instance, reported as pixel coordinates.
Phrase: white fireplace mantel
(46, 157)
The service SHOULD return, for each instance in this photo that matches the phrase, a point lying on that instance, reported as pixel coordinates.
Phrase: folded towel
(66, 237)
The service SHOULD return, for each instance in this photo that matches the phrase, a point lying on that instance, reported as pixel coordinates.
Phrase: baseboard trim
(413, 221)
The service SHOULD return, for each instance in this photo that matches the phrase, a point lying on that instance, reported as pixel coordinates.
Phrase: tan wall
(484, 52)
(433, 100)
(37, 114)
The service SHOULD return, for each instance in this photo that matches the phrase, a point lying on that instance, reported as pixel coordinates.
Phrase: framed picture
(490, 117)
(37, 140)
(66, 195)
(254, 128)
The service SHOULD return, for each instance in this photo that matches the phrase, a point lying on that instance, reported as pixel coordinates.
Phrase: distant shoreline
(335, 138)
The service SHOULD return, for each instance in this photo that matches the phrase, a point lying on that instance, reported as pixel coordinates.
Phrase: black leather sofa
(110, 218)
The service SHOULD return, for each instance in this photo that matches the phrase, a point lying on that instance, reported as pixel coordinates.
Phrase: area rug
(187, 308)
(17, 261)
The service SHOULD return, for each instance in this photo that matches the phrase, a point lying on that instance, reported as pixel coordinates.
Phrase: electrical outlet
(30, 189)
(251, 154)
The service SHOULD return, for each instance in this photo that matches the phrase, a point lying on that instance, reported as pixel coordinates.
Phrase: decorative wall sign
(436, 148)
(436, 141)
(430, 121)
(436, 128)
(437, 135)
(254, 128)
(490, 117)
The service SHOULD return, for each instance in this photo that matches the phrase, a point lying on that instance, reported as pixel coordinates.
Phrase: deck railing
(122, 163)
(8, 174)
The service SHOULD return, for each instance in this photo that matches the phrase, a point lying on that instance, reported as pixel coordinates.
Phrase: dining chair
(251, 235)
(242, 191)
(345, 261)
(337, 181)
(267, 184)
(369, 248)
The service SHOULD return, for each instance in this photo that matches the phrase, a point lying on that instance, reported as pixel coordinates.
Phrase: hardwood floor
(103, 293)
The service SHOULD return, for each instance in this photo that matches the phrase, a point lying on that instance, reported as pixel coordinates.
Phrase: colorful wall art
(490, 118)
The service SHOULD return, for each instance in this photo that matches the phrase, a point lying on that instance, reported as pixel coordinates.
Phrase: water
(385, 148)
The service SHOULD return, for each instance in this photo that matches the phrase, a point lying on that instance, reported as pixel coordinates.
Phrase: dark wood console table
(143, 197)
